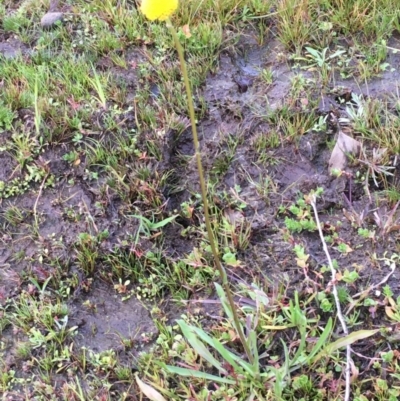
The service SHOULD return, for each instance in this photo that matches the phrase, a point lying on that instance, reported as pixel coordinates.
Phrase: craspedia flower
(158, 9)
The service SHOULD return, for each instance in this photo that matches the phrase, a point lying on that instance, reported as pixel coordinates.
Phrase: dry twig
(336, 297)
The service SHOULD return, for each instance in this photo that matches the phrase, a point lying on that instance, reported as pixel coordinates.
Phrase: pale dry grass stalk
(313, 202)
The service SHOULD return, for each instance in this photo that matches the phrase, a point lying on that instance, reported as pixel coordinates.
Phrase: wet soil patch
(105, 321)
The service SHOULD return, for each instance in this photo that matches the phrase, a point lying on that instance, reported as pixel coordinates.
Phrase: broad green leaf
(195, 373)
(300, 349)
(224, 301)
(229, 357)
(227, 307)
(199, 347)
(322, 340)
(252, 342)
(345, 341)
(279, 382)
(315, 53)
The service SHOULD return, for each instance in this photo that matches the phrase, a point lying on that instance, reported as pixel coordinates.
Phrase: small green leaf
(230, 259)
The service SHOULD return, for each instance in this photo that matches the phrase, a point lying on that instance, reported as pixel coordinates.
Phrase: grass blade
(213, 342)
(224, 301)
(162, 223)
(322, 340)
(198, 346)
(345, 341)
(231, 358)
(253, 347)
(98, 87)
(197, 374)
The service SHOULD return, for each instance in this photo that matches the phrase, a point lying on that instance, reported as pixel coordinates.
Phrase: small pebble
(8, 51)
(50, 19)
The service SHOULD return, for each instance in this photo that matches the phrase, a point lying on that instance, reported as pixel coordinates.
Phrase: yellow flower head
(158, 9)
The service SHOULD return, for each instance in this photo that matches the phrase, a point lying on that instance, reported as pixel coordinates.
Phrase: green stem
(210, 234)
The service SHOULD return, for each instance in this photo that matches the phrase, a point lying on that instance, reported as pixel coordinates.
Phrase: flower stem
(210, 234)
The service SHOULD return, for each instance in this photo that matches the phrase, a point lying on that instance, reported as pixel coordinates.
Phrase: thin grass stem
(210, 234)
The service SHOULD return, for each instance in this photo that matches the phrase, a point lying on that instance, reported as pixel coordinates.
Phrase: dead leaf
(392, 302)
(393, 228)
(344, 145)
(149, 391)
(186, 31)
(354, 371)
(301, 263)
(389, 312)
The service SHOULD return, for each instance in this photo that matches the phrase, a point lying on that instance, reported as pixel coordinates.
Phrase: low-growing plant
(250, 375)
(304, 219)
